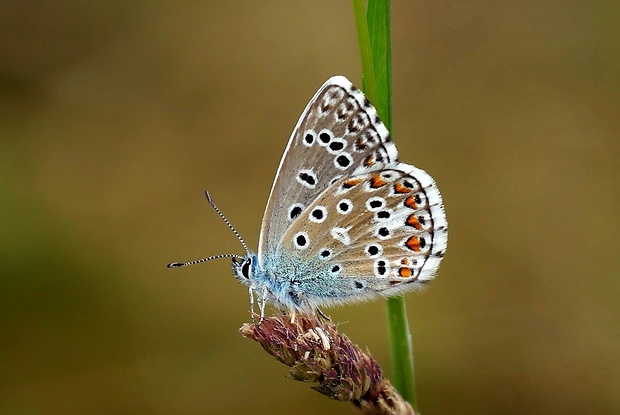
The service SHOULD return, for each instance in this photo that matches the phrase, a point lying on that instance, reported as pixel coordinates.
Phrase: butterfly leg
(261, 303)
(322, 314)
(251, 291)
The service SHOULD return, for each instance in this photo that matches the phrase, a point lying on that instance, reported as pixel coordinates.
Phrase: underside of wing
(338, 133)
(376, 232)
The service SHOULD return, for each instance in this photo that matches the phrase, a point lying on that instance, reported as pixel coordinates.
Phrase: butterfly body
(293, 283)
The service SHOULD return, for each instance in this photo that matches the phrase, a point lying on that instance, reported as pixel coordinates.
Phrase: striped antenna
(212, 203)
(198, 261)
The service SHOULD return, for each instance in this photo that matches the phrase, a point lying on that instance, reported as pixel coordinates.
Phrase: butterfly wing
(338, 133)
(374, 232)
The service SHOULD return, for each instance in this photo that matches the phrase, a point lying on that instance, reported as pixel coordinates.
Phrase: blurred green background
(114, 116)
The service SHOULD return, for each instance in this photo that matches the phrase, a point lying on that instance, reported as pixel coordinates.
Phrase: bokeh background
(114, 116)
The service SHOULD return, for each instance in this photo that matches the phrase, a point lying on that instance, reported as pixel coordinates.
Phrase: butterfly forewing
(338, 133)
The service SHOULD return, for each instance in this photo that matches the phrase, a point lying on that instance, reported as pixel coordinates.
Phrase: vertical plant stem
(402, 349)
(369, 85)
(380, 36)
(374, 38)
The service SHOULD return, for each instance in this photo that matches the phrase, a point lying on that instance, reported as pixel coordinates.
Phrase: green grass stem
(374, 38)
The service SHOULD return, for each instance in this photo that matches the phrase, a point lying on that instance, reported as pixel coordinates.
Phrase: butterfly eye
(245, 268)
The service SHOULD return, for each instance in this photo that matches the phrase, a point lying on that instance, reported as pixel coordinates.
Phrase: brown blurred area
(114, 116)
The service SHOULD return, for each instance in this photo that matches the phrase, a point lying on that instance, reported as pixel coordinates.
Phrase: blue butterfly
(345, 221)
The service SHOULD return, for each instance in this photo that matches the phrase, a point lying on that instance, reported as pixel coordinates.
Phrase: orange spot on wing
(404, 261)
(361, 144)
(413, 243)
(369, 161)
(405, 272)
(410, 202)
(377, 181)
(351, 182)
(400, 188)
(413, 221)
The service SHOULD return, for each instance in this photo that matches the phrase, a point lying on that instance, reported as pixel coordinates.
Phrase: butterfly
(345, 220)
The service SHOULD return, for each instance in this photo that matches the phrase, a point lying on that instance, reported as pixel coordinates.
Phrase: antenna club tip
(175, 264)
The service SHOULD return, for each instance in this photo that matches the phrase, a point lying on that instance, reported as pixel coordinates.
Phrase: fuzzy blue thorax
(291, 282)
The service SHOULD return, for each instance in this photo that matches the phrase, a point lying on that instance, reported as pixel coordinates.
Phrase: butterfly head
(244, 268)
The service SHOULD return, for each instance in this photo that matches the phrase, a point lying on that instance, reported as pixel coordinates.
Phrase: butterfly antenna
(198, 261)
(212, 203)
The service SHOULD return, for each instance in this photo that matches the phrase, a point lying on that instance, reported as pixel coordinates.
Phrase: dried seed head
(318, 353)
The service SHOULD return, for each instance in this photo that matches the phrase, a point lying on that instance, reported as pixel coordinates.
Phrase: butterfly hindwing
(384, 230)
(338, 133)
